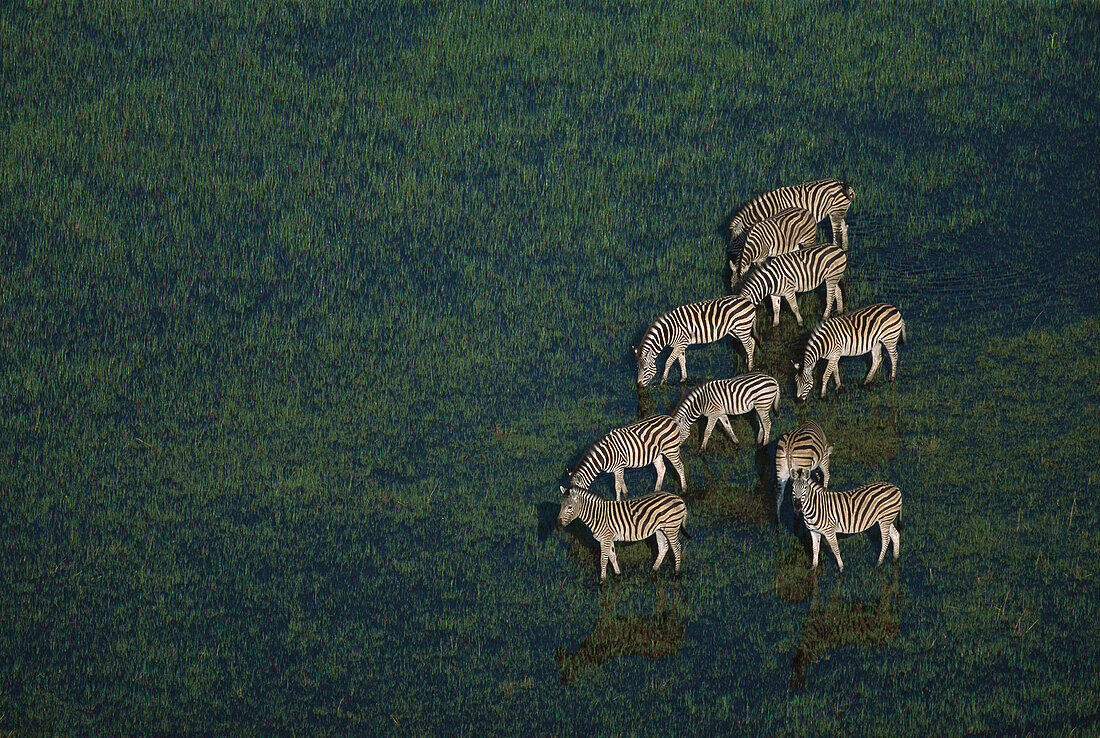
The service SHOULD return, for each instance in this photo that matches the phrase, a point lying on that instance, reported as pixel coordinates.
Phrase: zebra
(660, 513)
(824, 198)
(799, 271)
(868, 329)
(853, 511)
(699, 322)
(641, 443)
(803, 449)
(786, 231)
(723, 397)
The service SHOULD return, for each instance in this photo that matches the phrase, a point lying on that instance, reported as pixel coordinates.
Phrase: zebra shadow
(618, 633)
(843, 622)
(547, 513)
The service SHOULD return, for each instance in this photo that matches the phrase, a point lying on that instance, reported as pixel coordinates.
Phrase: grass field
(306, 307)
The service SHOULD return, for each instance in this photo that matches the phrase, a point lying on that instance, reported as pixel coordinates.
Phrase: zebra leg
(683, 365)
(792, 303)
(678, 464)
(659, 465)
(840, 228)
(711, 419)
(781, 477)
(776, 307)
(895, 536)
(830, 538)
(614, 559)
(620, 483)
(832, 289)
(749, 344)
(674, 544)
(883, 529)
(676, 351)
(824, 467)
(765, 431)
(604, 546)
(892, 351)
(876, 359)
(815, 539)
(662, 547)
(729, 428)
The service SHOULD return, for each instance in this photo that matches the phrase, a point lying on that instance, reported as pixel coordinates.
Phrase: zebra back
(786, 231)
(850, 511)
(633, 519)
(698, 322)
(733, 396)
(822, 198)
(854, 333)
(628, 447)
(803, 448)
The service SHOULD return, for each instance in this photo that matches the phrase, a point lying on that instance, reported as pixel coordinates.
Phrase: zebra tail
(903, 338)
(775, 403)
(684, 530)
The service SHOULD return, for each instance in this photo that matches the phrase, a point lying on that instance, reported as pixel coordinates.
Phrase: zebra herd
(778, 260)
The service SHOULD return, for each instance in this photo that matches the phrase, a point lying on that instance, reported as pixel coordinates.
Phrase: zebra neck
(591, 509)
(813, 504)
(585, 473)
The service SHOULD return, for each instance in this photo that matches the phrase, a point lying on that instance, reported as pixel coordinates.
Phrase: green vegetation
(305, 307)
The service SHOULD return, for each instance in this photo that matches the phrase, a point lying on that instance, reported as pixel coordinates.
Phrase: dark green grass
(304, 309)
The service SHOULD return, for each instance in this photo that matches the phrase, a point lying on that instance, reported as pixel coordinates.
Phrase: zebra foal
(854, 511)
(661, 514)
(720, 398)
(641, 443)
(824, 198)
(786, 231)
(800, 450)
(699, 322)
(799, 271)
(869, 329)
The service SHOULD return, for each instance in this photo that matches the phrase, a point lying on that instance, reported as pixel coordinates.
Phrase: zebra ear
(794, 363)
(563, 490)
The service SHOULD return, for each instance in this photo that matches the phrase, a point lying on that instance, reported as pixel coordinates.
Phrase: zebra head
(737, 227)
(803, 380)
(800, 484)
(750, 254)
(569, 506)
(647, 365)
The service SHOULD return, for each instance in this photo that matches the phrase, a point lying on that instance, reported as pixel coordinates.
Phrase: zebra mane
(813, 343)
(650, 343)
(585, 493)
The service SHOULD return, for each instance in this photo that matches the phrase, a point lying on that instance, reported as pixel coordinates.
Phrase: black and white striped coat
(800, 450)
(661, 514)
(786, 231)
(799, 271)
(720, 398)
(699, 322)
(639, 444)
(824, 198)
(869, 329)
(853, 511)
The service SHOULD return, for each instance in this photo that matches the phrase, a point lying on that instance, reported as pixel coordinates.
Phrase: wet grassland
(306, 308)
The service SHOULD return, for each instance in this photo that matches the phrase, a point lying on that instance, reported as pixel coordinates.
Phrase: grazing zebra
(854, 511)
(868, 329)
(699, 322)
(824, 198)
(803, 449)
(786, 231)
(659, 513)
(639, 444)
(799, 271)
(723, 397)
